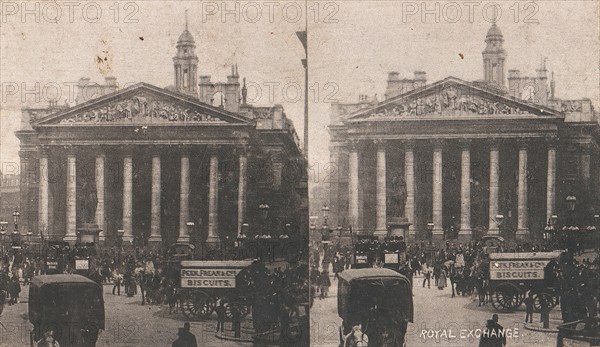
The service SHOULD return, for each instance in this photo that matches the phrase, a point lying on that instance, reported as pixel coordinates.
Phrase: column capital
(465, 143)
(44, 151)
(240, 150)
(409, 144)
(551, 141)
(353, 144)
(585, 148)
(522, 143)
(212, 150)
(127, 150)
(380, 143)
(494, 143)
(438, 144)
(70, 150)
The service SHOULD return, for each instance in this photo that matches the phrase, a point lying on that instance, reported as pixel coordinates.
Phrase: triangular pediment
(451, 98)
(142, 104)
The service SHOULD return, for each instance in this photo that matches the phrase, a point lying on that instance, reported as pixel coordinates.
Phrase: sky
(352, 47)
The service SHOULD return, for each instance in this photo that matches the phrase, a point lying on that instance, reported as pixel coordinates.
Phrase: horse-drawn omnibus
(378, 299)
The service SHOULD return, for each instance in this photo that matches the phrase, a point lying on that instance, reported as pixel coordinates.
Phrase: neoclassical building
(457, 154)
(151, 161)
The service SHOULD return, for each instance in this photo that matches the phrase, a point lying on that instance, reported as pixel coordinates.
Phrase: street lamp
(264, 211)
(571, 201)
(244, 231)
(549, 230)
(16, 217)
(325, 211)
(499, 220)
(430, 226)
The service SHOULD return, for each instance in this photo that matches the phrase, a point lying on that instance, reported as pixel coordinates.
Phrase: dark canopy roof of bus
(353, 274)
(60, 279)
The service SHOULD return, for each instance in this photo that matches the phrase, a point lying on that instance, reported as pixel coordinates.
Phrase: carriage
(203, 283)
(512, 275)
(380, 300)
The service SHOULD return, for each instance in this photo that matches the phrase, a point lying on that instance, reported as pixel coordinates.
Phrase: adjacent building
(494, 156)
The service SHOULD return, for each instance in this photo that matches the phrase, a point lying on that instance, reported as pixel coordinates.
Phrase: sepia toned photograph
(299, 173)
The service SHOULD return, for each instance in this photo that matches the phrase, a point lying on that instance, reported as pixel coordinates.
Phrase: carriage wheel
(550, 299)
(507, 297)
(198, 306)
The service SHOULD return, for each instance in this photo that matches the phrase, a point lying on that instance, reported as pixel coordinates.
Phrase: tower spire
(186, 19)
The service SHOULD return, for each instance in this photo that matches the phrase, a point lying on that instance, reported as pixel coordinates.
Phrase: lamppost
(339, 230)
(16, 217)
(120, 234)
(548, 232)
(16, 236)
(264, 213)
(571, 231)
(325, 232)
(3, 228)
(596, 237)
(430, 227)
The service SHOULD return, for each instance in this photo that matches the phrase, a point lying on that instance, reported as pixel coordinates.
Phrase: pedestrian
(356, 337)
(441, 279)
(325, 284)
(427, 277)
(184, 337)
(117, 280)
(220, 315)
(493, 334)
(15, 289)
(529, 307)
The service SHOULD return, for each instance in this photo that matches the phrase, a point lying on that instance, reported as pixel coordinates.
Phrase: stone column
(465, 193)
(494, 188)
(100, 206)
(155, 235)
(71, 232)
(213, 195)
(184, 199)
(24, 190)
(43, 220)
(242, 181)
(381, 227)
(409, 174)
(353, 183)
(522, 231)
(438, 230)
(128, 198)
(551, 180)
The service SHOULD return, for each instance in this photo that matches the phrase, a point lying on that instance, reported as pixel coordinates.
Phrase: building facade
(189, 162)
(463, 159)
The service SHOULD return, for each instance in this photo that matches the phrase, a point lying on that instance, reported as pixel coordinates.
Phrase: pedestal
(89, 232)
(398, 226)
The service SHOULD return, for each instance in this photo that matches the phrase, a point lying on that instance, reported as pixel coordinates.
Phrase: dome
(494, 32)
(185, 37)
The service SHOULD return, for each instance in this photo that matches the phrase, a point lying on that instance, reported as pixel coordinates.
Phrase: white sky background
(352, 46)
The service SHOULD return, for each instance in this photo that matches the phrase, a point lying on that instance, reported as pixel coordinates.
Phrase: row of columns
(437, 187)
(155, 219)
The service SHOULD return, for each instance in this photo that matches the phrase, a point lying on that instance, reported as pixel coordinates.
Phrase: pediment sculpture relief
(449, 99)
(141, 109)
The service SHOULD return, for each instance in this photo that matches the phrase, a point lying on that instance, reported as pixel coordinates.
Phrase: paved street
(435, 310)
(127, 324)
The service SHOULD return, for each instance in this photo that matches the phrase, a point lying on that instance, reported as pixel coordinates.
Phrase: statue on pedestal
(397, 196)
(89, 202)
